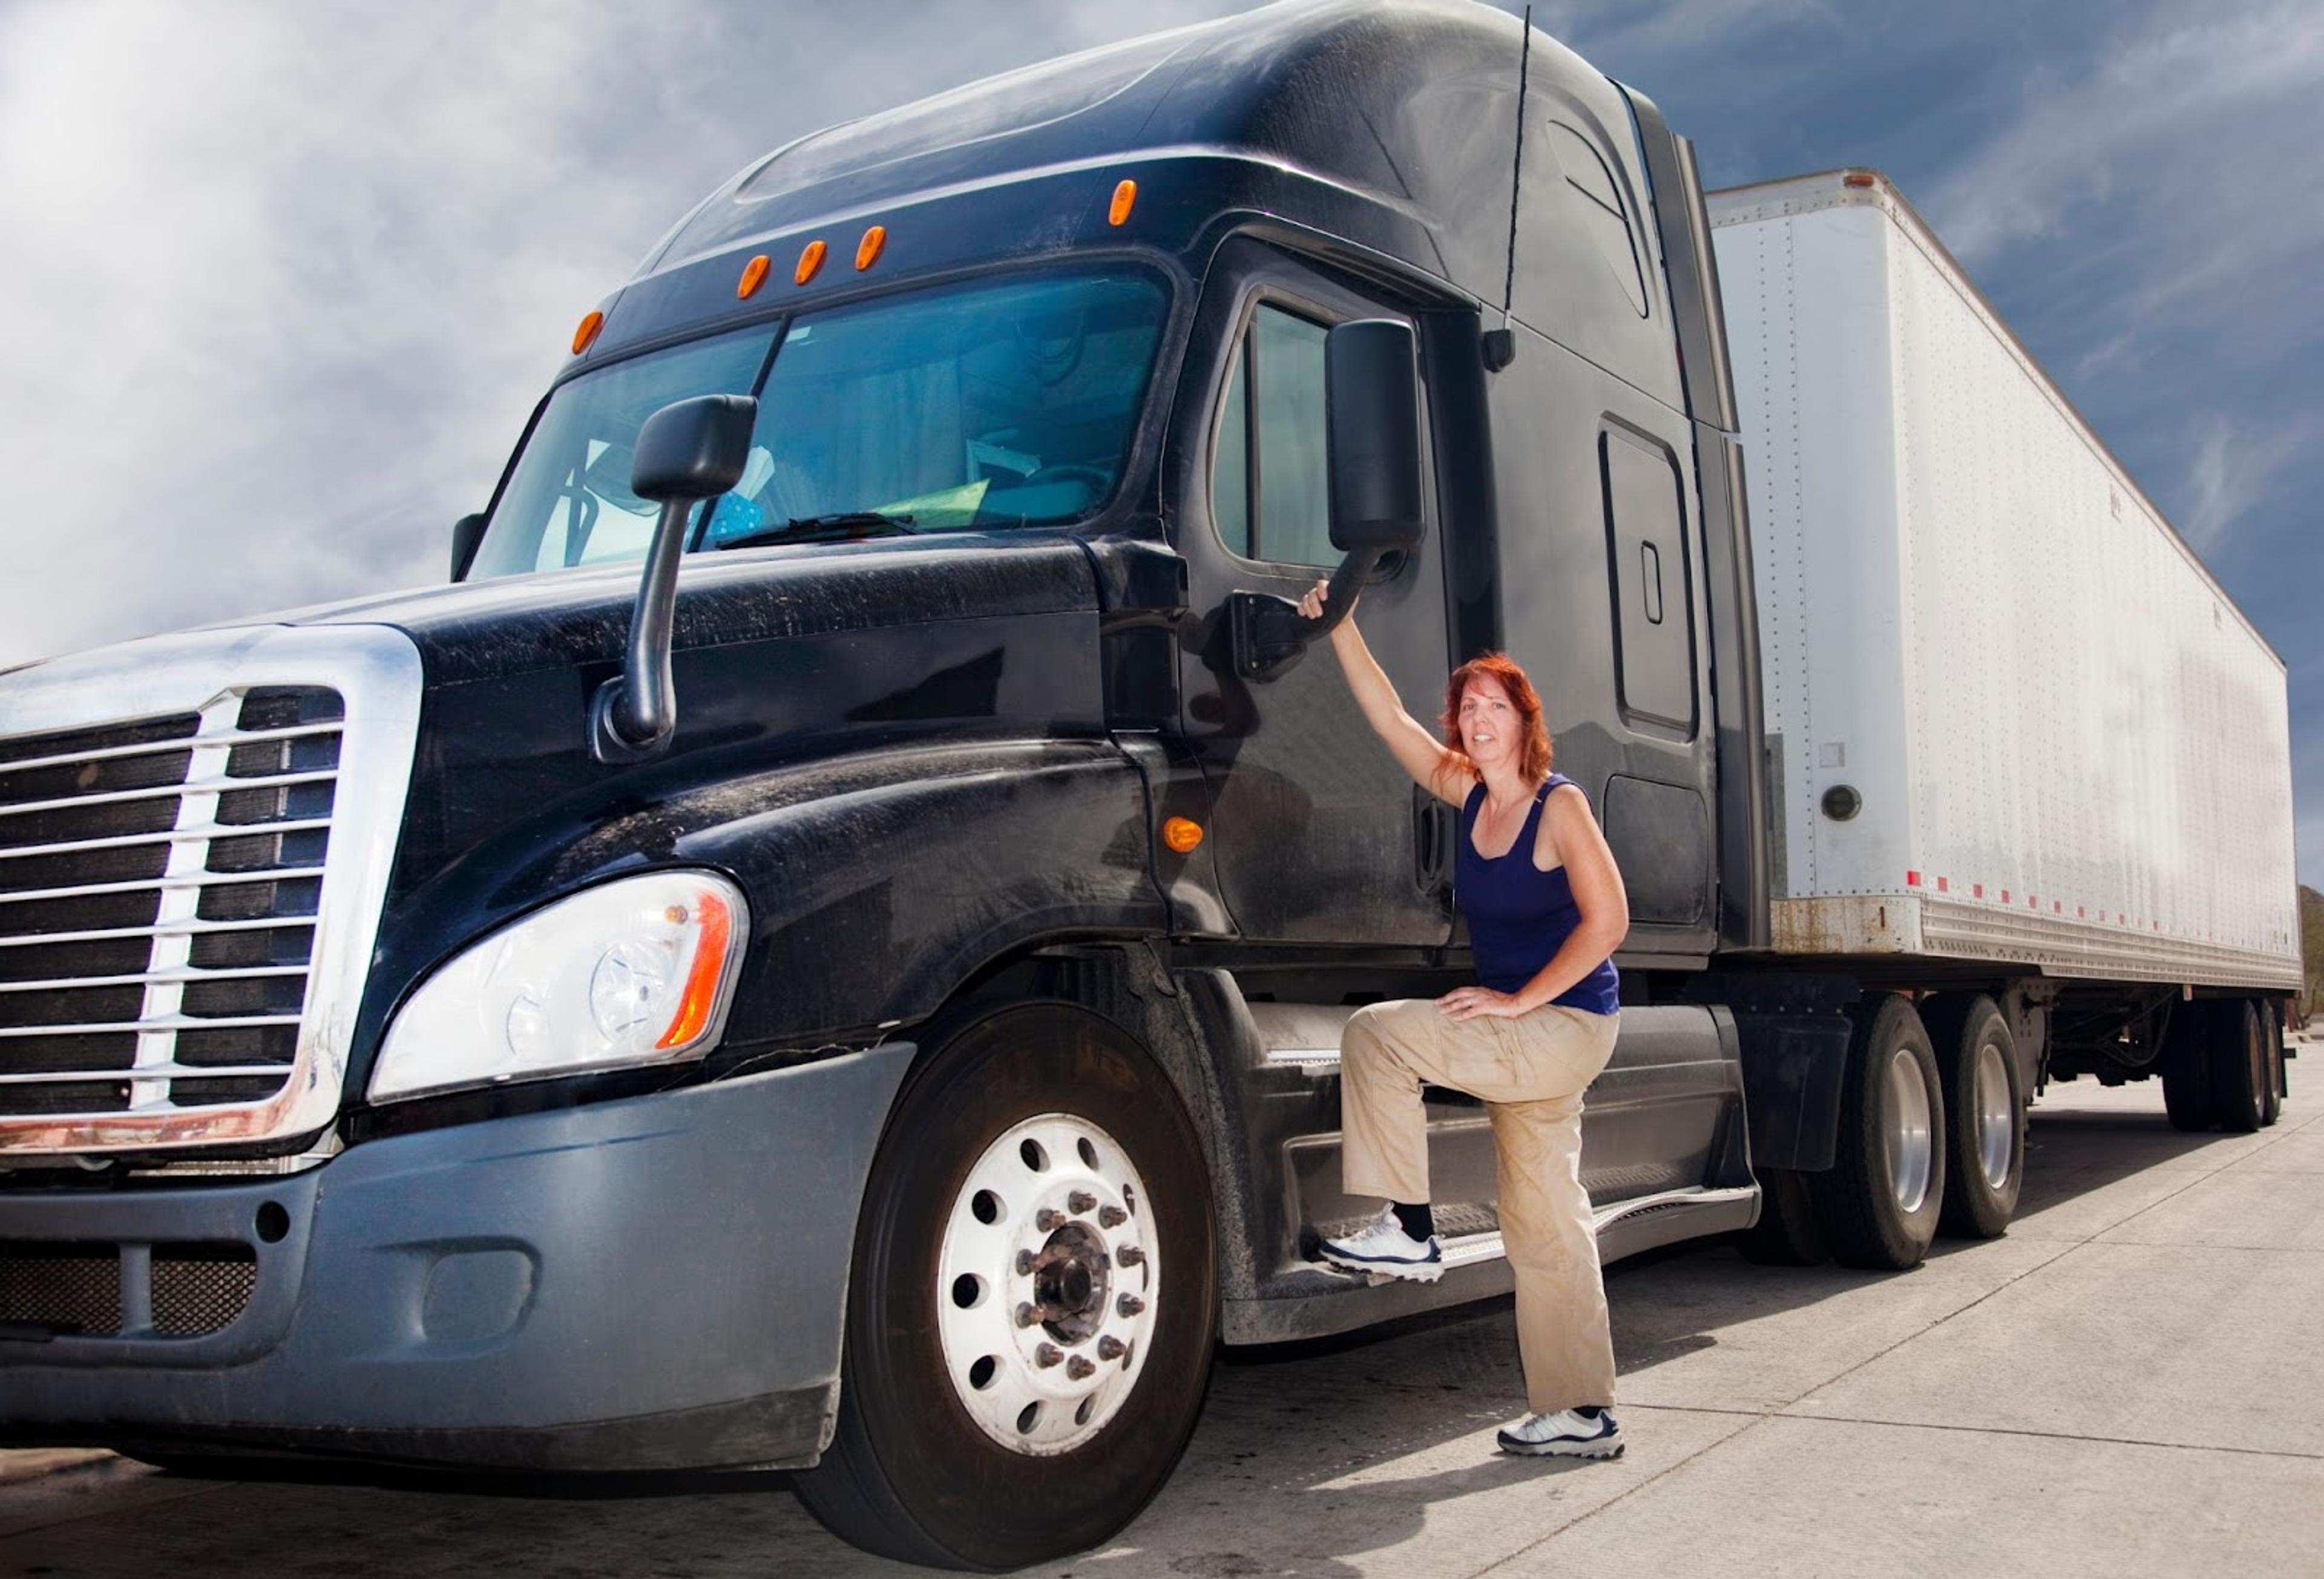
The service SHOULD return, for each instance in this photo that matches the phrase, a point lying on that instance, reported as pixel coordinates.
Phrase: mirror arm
(633, 715)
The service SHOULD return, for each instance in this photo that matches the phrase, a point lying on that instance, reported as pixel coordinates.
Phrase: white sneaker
(1383, 1249)
(1564, 1434)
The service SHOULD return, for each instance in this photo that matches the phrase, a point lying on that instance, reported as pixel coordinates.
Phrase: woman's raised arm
(1432, 767)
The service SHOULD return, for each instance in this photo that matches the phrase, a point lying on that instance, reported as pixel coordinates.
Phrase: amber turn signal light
(867, 251)
(754, 274)
(1125, 197)
(1181, 835)
(585, 336)
(810, 262)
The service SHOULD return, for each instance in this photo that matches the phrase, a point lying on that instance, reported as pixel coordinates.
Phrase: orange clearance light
(585, 336)
(1125, 198)
(867, 251)
(810, 263)
(1860, 178)
(1181, 835)
(754, 274)
(701, 994)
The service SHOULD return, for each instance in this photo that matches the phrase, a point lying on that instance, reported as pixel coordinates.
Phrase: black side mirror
(689, 450)
(467, 537)
(1371, 404)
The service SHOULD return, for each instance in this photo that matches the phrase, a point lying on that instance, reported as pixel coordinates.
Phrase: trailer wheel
(1878, 1204)
(1033, 1303)
(2271, 1021)
(1985, 1117)
(2187, 1068)
(2239, 1071)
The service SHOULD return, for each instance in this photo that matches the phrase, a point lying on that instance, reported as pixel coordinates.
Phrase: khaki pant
(1530, 1072)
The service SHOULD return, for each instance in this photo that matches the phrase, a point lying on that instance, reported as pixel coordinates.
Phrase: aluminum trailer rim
(1997, 1119)
(1047, 1285)
(1904, 1113)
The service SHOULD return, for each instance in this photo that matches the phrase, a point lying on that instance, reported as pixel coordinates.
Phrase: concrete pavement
(2128, 1384)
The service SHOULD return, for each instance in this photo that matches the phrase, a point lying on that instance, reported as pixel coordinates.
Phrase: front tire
(1037, 1230)
(1985, 1117)
(1878, 1204)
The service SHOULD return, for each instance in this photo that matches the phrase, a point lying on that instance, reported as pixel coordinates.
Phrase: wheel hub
(1047, 1284)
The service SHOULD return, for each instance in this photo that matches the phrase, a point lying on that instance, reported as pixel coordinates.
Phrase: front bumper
(652, 1283)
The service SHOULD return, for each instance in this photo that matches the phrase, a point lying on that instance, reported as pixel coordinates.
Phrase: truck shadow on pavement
(1307, 1454)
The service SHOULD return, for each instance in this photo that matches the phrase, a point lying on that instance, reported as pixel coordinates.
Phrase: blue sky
(283, 280)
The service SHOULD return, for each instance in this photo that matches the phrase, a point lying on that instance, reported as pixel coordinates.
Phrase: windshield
(979, 406)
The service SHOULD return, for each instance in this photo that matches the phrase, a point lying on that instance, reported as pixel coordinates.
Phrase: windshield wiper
(839, 523)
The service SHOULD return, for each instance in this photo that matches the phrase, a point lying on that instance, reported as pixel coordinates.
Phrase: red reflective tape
(1912, 879)
(1976, 890)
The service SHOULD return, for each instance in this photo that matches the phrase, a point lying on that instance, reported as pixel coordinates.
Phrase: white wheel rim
(1047, 1285)
(1996, 1117)
(1904, 1103)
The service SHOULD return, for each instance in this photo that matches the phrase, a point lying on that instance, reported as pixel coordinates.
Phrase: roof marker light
(585, 335)
(810, 262)
(1125, 198)
(754, 274)
(1860, 178)
(867, 251)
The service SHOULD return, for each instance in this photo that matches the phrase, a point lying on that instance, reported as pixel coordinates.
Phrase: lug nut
(1046, 1356)
(1081, 1201)
(1024, 1263)
(1026, 1315)
(1130, 1304)
(1079, 1368)
(1048, 1221)
(1111, 1216)
(1130, 1255)
(1110, 1347)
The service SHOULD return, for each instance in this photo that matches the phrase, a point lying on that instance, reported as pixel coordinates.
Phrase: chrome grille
(196, 834)
(158, 885)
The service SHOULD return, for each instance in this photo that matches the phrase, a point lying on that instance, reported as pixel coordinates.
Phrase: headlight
(637, 971)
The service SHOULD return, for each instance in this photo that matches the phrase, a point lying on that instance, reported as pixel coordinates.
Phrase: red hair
(1534, 763)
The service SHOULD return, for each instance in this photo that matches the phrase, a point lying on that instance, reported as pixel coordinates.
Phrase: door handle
(1431, 843)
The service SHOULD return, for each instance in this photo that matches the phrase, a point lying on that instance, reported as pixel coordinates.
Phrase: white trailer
(2011, 719)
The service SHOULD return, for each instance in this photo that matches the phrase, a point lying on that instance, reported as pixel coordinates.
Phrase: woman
(1545, 909)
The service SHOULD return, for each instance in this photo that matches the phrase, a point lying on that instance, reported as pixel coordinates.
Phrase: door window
(1270, 493)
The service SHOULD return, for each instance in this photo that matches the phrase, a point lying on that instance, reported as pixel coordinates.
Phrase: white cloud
(284, 280)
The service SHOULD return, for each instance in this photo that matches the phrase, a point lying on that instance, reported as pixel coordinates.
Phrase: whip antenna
(1500, 345)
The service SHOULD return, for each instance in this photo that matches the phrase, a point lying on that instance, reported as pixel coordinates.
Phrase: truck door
(1318, 835)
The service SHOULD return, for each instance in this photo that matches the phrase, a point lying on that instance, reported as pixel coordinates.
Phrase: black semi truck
(861, 993)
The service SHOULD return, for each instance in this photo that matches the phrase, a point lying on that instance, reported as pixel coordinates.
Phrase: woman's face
(1491, 730)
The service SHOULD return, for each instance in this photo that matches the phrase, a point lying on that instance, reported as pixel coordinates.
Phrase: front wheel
(1035, 1301)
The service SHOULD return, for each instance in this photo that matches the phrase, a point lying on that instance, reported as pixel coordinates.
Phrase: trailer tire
(2239, 1060)
(1040, 1125)
(2271, 1021)
(1985, 1116)
(1786, 1233)
(2187, 1068)
(1878, 1204)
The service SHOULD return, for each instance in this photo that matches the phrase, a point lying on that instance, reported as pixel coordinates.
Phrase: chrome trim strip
(154, 748)
(170, 1071)
(155, 1022)
(376, 670)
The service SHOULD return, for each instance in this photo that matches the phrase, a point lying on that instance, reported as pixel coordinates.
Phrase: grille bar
(155, 1023)
(185, 976)
(213, 786)
(186, 928)
(170, 1071)
(196, 880)
(183, 742)
(198, 834)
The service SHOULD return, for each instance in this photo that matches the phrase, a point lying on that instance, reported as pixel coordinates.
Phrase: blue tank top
(1520, 916)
